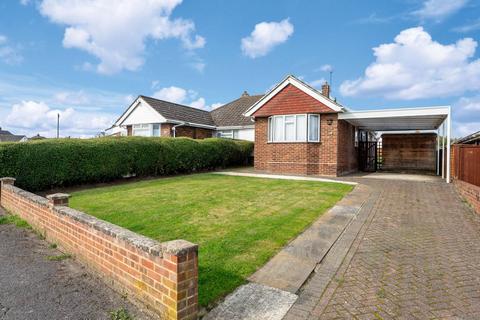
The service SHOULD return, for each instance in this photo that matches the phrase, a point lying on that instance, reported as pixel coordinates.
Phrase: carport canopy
(405, 119)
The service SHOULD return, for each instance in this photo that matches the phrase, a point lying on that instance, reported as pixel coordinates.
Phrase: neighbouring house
(301, 130)
(37, 137)
(7, 136)
(151, 117)
(473, 139)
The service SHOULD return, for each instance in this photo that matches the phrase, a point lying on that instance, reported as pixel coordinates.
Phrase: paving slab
(291, 267)
(254, 302)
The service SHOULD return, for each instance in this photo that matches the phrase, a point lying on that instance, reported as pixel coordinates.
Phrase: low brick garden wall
(162, 276)
(469, 192)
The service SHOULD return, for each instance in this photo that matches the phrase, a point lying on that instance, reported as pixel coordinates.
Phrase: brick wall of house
(409, 152)
(166, 129)
(162, 276)
(193, 132)
(298, 158)
(469, 192)
(347, 152)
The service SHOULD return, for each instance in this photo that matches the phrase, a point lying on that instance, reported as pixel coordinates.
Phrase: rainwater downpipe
(174, 128)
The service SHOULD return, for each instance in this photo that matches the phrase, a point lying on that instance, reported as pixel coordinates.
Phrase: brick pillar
(5, 181)
(58, 199)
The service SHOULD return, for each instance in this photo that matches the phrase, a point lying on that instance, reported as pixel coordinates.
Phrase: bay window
(294, 128)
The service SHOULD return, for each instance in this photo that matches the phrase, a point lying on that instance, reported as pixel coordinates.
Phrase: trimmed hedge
(45, 164)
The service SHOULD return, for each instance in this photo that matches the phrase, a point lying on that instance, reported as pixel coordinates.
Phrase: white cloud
(184, 97)
(172, 94)
(439, 9)
(266, 36)
(116, 32)
(32, 117)
(24, 2)
(466, 116)
(72, 98)
(326, 68)
(472, 26)
(9, 54)
(414, 66)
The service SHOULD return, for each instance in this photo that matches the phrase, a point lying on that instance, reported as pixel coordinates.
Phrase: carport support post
(443, 149)
(438, 151)
(449, 129)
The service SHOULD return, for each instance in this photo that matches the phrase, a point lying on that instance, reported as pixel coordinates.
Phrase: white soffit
(423, 118)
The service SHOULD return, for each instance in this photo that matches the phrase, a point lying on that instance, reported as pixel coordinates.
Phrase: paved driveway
(416, 257)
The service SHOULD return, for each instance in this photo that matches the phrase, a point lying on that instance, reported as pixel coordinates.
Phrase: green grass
(60, 257)
(15, 220)
(239, 222)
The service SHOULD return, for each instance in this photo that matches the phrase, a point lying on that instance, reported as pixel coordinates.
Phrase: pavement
(34, 287)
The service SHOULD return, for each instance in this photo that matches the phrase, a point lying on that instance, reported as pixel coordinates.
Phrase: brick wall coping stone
(175, 247)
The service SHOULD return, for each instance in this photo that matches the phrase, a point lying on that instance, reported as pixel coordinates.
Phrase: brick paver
(417, 257)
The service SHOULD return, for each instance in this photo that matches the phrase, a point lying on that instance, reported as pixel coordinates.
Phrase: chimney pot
(326, 89)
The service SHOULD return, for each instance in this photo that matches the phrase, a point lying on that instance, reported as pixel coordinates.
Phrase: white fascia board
(298, 84)
(394, 113)
(235, 127)
(190, 124)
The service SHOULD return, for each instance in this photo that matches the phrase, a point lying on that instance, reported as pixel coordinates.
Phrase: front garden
(238, 222)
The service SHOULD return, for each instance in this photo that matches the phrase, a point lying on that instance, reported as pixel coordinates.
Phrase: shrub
(40, 165)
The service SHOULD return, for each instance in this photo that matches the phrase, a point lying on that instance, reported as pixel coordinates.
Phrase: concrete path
(33, 287)
(416, 256)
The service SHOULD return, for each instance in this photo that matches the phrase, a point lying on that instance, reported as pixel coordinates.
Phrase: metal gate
(367, 156)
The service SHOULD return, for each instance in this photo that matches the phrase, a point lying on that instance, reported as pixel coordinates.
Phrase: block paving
(417, 256)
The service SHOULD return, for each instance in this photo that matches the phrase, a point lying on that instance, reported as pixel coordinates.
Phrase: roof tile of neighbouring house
(178, 112)
(10, 137)
(231, 114)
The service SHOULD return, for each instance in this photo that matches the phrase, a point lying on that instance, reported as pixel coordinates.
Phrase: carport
(409, 120)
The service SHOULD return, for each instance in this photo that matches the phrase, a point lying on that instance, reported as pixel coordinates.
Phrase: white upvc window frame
(307, 116)
(142, 127)
(226, 134)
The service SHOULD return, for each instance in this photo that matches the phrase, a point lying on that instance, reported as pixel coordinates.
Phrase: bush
(40, 165)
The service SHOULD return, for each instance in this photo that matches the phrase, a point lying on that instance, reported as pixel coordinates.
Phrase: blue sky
(89, 59)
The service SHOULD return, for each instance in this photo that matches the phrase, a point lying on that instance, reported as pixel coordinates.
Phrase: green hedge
(41, 165)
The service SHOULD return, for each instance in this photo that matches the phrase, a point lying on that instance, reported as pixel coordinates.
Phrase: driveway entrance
(416, 257)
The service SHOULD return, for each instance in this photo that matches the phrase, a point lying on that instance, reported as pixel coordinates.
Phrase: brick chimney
(326, 89)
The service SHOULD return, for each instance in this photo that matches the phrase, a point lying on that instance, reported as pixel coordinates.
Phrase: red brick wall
(163, 276)
(469, 192)
(193, 132)
(291, 100)
(347, 153)
(409, 152)
(298, 158)
(166, 129)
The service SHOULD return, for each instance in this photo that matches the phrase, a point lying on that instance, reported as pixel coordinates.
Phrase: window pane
(156, 130)
(289, 118)
(278, 129)
(290, 131)
(301, 128)
(313, 127)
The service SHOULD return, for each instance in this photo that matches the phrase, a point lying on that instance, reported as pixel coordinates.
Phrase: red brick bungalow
(297, 130)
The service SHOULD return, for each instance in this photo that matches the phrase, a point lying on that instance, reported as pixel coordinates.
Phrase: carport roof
(422, 118)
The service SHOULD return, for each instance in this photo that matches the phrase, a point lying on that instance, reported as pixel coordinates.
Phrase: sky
(87, 60)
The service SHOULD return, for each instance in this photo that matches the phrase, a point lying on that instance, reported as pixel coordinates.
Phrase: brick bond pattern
(469, 192)
(334, 155)
(418, 258)
(163, 276)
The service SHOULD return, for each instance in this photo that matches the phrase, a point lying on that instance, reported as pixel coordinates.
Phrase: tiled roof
(231, 114)
(174, 111)
(10, 137)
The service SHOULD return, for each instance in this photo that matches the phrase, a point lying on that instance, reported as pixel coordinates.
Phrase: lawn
(238, 222)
